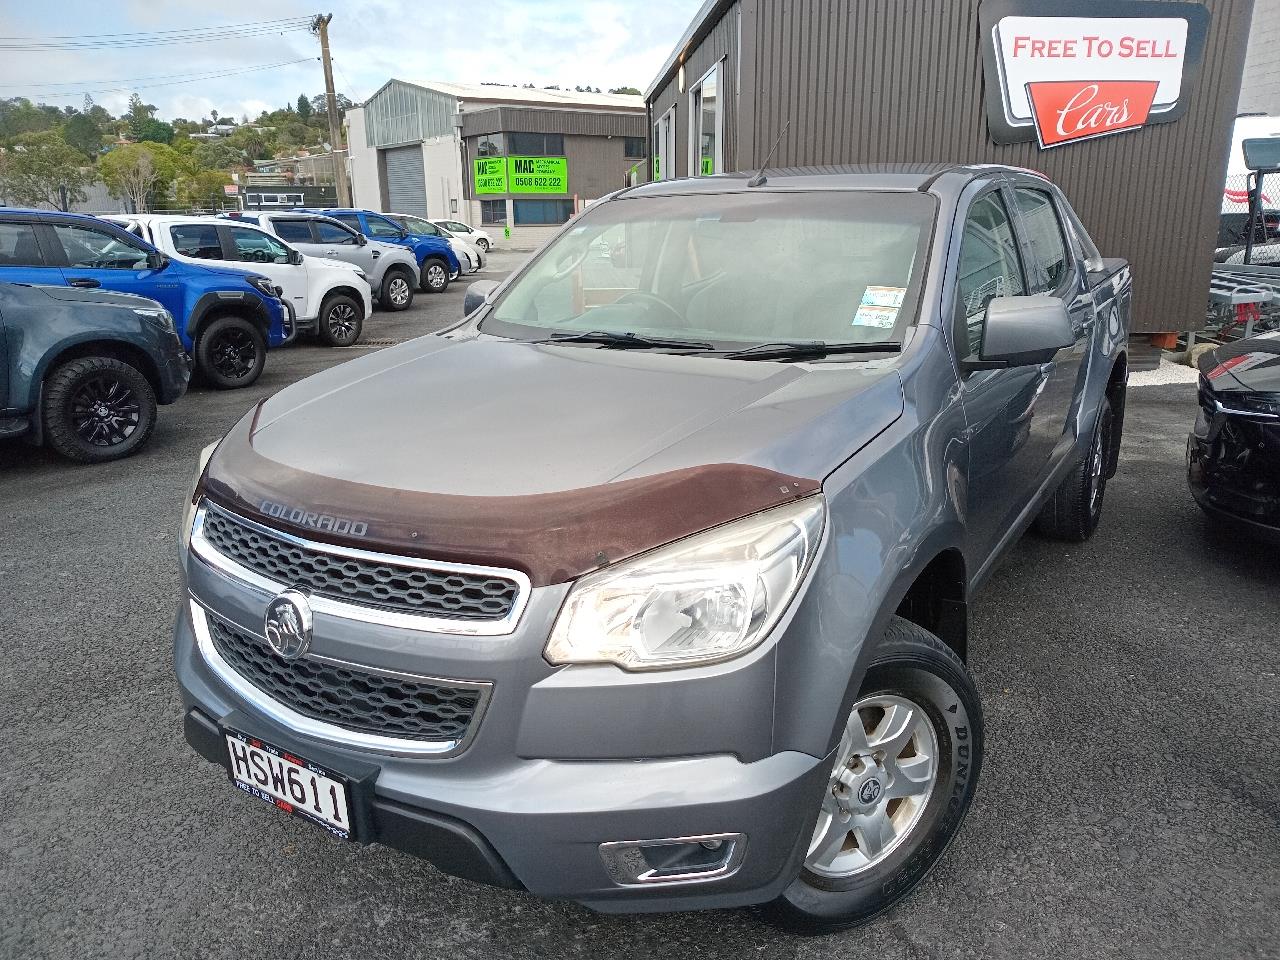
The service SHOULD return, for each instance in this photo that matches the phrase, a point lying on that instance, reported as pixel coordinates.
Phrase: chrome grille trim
(205, 550)
(327, 732)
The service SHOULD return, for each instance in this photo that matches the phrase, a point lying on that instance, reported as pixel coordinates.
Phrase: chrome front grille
(400, 585)
(355, 698)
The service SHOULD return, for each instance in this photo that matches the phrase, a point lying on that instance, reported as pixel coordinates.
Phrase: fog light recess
(699, 859)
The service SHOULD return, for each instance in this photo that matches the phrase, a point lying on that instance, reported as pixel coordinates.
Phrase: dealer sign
(1068, 70)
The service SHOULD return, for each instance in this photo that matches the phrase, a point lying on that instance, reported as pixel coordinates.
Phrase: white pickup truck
(330, 299)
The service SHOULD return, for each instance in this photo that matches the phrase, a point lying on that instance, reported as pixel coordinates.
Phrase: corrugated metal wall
(721, 42)
(597, 165)
(885, 80)
(403, 113)
(537, 120)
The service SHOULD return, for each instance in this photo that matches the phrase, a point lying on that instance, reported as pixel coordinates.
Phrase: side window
(989, 265)
(253, 247)
(295, 231)
(457, 227)
(332, 233)
(379, 227)
(95, 249)
(18, 247)
(350, 219)
(197, 240)
(1044, 234)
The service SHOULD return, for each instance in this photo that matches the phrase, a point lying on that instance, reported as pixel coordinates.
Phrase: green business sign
(491, 174)
(538, 174)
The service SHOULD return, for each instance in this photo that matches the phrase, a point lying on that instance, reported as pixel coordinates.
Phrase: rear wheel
(98, 409)
(483, 244)
(397, 290)
(231, 353)
(901, 782)
(1075, 508)
(341, 320)
(435, 276)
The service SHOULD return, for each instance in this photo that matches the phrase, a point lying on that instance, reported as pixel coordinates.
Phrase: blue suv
(225, 318)
(436, 263)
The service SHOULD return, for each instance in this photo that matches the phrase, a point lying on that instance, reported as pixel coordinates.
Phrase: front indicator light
(707, 598)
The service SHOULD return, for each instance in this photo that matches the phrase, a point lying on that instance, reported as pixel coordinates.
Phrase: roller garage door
(406, 181)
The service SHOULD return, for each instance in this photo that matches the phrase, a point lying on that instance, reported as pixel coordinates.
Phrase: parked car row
(103, 318)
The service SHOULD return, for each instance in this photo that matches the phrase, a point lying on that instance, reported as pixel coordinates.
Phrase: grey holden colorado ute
(646, 585)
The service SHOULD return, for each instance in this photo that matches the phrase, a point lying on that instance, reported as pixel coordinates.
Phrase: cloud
(601, 43)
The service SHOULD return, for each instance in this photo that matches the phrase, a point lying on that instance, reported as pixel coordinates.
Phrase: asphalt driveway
(1128, 804)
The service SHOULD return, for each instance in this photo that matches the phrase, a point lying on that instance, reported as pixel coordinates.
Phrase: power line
(174, 77)
(192, 79)
(160, 33)
(205, 35)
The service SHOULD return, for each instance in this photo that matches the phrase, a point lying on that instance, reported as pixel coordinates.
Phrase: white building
(542, 153)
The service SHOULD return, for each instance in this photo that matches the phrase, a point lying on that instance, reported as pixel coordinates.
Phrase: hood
(98, 295)
(328, 262)
(1246, 366)
(551, 459)
(229, 272)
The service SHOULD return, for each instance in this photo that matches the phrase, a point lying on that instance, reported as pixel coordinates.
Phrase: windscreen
(729, 269)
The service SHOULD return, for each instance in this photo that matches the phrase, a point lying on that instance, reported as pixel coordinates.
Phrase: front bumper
(562, 761)
(1233, 471)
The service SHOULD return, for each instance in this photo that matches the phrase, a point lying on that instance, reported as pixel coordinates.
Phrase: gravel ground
(1128, 806)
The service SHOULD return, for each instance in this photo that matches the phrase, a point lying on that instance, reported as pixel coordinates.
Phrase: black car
(1233, 453)
(82, 370)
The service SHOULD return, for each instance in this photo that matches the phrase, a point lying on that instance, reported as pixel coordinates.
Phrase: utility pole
(320, 27)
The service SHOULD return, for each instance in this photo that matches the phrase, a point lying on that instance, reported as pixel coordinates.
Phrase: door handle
(377, 254)
(84, 282)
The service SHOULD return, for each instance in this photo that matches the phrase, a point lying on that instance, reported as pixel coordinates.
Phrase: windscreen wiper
(806, 350)
(626, 341)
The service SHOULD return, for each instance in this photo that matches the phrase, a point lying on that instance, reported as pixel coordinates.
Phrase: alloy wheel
(885, 771)
(1097, 461)
(104, 411)
(436, 277)
(234, 354)
(399, 291)
(342, 322)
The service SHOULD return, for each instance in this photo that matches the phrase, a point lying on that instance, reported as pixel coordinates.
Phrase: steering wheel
(653, 300)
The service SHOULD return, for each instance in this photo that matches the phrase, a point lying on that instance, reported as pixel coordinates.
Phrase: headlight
(709, 597)
(263, 286)
(160, 317)
(189, 508)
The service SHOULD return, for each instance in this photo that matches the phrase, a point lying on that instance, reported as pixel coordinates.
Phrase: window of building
(18, 247)
(535, 144)
(989, 265)
(199, 240)
(633, 148)
(253, 246)
(541, 212)
(664, 146)
(295, 231)
(1044, 233)
(493, 211)
(705, 117)
(490, 145)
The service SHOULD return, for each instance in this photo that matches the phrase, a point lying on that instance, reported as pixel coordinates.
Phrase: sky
(596, 43)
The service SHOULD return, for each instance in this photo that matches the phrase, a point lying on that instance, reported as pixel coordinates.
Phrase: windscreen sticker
(869, 315)
(884, 296)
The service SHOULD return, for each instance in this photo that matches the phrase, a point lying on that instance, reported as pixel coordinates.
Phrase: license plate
(289, 782)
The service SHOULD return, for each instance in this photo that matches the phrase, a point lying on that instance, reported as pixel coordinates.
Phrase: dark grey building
(868, 81)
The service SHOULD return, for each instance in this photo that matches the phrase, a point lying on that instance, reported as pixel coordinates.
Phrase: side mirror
(477, 296)
(361, 240)
(1021, 331)
(156, 260)
(295, 257)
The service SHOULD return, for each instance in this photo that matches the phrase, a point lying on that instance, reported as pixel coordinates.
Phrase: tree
(202, 188)
(632, 91)
(137, 172)
(151, 129)
(304, 107)
(214, 115)
(82, 133)
(216, 155)
(43, 169)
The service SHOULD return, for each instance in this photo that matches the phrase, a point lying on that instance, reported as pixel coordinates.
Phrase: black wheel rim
(342, 322)
(105, 411)
(234, 354)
